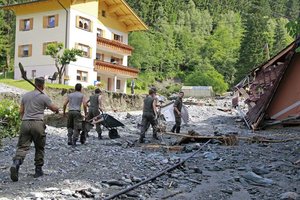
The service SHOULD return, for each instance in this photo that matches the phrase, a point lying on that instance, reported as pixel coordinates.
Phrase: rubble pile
(100, 168)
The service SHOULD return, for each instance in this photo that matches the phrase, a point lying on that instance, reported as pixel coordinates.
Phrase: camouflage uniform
(74, 123)
(32, 129)
(94, 111)
(178, 105)
(148, 117)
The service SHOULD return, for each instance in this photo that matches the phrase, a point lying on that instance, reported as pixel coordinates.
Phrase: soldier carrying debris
(149, 114)
(96, 104)
(32, 128)
(74, 125)
(177, 112)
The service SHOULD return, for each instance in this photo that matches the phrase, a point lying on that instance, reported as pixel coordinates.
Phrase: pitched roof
(260, 85)
(119, 8)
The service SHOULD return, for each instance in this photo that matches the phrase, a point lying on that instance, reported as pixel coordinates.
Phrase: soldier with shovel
(32, 128)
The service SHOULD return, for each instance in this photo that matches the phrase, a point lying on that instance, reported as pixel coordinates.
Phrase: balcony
(115, 46)
(111, 68)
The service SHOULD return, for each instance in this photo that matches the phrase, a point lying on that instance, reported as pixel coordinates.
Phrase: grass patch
(9, 75)
(136, 91)
(22, 84)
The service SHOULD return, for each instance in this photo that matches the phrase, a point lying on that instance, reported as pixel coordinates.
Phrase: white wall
(43, 64)
(84, 37)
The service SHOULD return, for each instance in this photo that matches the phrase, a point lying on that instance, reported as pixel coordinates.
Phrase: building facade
(98, 27)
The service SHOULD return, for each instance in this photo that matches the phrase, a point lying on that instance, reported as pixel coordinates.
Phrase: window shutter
(90, 52)
(121, 38)
(56, 20)
(91, 26)
(102, 57)
(20, 51)
(44, 48)
(31, 23)
(29, 50)
(77, 21)
(21, 25)
(45, 21)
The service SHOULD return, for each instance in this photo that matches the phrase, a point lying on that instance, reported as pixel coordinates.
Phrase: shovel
(26, 79)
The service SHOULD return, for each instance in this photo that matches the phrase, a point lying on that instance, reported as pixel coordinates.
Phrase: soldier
(149, 115)
(32, 128)
(75, 100)
(177, 112)
(96, 105)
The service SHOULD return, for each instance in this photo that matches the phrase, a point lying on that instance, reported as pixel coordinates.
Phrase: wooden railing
(100, 65)
(115, 45)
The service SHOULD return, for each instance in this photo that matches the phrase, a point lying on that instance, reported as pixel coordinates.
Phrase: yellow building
(98, 27)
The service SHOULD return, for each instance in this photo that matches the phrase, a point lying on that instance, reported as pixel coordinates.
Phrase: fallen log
(157, 175)
(230, 138)
(163, 147)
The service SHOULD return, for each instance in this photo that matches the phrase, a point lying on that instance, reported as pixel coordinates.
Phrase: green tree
(255, 40)
(282, 38)
(207, 78)
(223, 45)
(7, 31)
(62, 59)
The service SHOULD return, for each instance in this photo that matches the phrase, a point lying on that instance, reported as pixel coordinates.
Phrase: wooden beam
(122, 18)
(73, 1)
(133, 27)
(114, 8)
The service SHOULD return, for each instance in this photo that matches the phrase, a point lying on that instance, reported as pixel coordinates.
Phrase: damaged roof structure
(272, 90)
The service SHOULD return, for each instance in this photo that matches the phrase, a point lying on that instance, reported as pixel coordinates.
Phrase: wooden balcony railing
(115, 45)
(100, 65)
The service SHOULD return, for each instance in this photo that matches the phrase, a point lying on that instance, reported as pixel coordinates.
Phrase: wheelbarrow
(111, 124)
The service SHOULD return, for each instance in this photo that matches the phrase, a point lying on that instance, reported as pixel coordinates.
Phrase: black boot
(14, 170)
(173, 129)
(178, 129)
(69, 140)
(155, 136)
(38, 172)
(142, 139)
(74, 142)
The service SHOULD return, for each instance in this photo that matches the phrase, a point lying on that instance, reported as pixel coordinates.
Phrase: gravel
(100, 168)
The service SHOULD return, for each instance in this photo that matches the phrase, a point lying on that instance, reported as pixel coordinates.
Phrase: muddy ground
(100, 168)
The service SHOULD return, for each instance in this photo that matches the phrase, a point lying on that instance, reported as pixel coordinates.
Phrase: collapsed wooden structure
(272, 91)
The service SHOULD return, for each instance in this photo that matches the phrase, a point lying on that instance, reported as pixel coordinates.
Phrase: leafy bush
(9, 118)
(171, 89)
(91, 87)
(207, 78)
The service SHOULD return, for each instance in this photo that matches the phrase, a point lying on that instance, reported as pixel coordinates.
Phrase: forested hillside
(202, 42)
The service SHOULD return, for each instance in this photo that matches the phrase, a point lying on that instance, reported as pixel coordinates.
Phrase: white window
(25, 50)
(99, 56)
(26, 24)
(100, 32)
(86, 50)
(118, 37)
(51, 21)
(82, 76)
(118, 84)
(84, 23)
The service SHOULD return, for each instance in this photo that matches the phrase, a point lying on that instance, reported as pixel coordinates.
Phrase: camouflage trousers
(93, 112)
(148, 119)
(177, 124)
(32, 131)
(74, 125)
